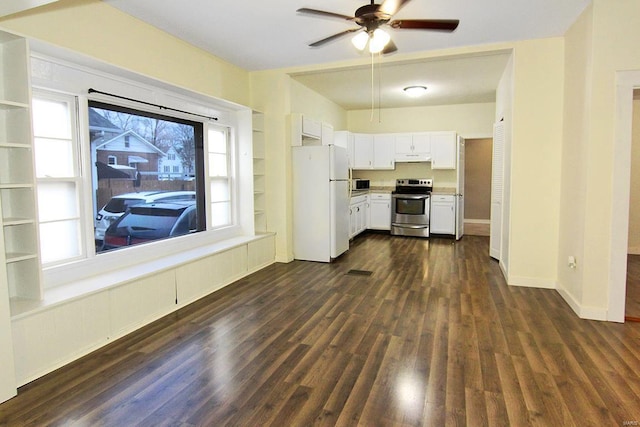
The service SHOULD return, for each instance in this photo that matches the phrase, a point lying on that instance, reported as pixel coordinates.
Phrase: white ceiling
(261, 35)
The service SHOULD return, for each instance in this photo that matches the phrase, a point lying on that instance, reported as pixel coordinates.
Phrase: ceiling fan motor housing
(370, 17)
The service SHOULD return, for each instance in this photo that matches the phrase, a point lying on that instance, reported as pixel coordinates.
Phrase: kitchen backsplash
(387, 178)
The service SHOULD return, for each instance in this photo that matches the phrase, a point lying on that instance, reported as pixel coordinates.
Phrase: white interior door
(497, 184)
(460, 191)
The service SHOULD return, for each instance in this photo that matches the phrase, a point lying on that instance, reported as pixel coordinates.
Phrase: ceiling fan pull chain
(372, 94)
(380, 87)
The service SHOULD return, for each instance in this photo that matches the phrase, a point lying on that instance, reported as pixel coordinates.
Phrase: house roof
(98, 122)
(133, 134)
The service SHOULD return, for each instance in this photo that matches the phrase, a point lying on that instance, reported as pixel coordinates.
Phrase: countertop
(386, 190)
(444, 190)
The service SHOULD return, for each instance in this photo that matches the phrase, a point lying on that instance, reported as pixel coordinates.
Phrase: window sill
(84, 287)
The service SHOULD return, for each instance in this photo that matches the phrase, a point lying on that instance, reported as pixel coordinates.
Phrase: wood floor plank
(432, 337)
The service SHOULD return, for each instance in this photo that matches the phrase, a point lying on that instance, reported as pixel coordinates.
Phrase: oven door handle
(411, 226)
(411, 196)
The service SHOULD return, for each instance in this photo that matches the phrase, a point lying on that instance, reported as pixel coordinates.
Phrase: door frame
(626, 82)
(459, 199)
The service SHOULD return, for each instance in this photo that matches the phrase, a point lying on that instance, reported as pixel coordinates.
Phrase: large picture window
(147, 176)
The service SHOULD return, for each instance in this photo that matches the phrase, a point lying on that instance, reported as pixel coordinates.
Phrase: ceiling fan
(371, 18)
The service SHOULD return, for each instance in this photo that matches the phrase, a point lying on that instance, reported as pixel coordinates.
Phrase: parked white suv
(118, 205)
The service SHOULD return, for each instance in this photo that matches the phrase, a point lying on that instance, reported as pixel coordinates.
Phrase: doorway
(626, 84)
(477, 186)
(632, 294)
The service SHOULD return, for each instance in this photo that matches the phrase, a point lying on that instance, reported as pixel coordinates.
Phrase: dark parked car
(151, 221)
(119, 204)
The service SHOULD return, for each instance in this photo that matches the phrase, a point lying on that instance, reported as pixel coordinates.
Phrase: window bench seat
(75, 319)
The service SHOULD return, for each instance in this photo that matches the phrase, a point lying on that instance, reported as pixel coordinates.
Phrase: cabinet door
(383, 151)
(443, 218)
(443, 150)
(344, 139)
(363, 215)
(421, 143)
(362, 151)
(352, 221)
(380, 214)
(404, 144)
(327, 134)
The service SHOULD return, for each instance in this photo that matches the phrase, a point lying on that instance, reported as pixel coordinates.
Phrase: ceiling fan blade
(333, 37)
(307, 11)
(426, 24)
(389, 48)
(391, 7)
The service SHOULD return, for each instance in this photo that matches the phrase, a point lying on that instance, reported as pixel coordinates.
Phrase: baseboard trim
(589, 313)
(531, 282)
(477, 221)
(477, 227)
(635, 250)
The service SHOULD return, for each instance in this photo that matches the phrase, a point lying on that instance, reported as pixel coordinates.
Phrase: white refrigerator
(320, 202)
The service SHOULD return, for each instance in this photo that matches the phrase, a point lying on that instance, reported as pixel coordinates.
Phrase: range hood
(413, 158)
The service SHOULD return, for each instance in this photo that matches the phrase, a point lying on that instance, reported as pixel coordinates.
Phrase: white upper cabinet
(305, 131)
(326, 134)
(443, 150)
(344, 139)
(384, 151)
(412, 147)
(362, 151)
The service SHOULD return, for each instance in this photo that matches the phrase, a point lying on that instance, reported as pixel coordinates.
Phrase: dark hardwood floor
(432, 336)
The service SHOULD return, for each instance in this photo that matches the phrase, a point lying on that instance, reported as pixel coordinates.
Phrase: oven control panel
(411, 182)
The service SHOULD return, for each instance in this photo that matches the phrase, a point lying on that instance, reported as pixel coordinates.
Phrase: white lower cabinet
(358, 215)
(380, 211)
(443, 214)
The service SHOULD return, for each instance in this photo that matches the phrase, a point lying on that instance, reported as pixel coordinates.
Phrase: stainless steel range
(410, 207)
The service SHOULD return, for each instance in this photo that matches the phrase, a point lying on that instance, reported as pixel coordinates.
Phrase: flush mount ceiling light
(415, 91)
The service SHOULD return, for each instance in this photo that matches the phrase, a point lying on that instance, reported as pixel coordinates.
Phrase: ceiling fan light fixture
(360, 40)
(379, 40)
(415, 91)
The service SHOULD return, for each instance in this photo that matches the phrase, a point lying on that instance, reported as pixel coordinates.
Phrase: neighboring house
(170, 166)
(100, 127)
(130, 151)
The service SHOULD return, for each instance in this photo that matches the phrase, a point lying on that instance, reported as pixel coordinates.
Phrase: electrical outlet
(571, 261)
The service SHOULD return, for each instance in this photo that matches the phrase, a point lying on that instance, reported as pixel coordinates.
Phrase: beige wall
(94, 28)
(634, 197)
(277, 95)
(308, 102)
(477, 178)
(469, 120)
(536, 131)
(578, 57)
(602, 42)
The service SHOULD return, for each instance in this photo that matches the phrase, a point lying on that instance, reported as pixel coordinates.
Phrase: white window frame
(229, 178)
(78, 177)
(51, 73)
